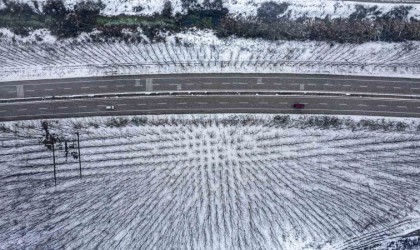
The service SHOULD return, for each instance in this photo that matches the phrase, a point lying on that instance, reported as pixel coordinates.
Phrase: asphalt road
(210, 104)
(227, 82)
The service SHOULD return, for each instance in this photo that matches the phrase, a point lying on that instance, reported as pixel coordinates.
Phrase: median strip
(210, 93)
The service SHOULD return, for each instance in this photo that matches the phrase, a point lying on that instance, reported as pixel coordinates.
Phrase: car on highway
(298, 105)
(110, 107)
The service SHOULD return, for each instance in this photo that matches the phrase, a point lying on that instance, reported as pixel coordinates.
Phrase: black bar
(80, 160)
(55, 175)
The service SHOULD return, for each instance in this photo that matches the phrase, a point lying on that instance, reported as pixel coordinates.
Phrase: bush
(167, 10)
(269, 11)
(86, 13)
(54, 8)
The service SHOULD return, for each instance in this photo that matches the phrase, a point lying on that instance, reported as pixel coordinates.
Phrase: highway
(181, 104)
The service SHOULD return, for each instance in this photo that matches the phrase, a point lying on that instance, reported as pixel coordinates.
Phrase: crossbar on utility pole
(55, 174)
(78, 149)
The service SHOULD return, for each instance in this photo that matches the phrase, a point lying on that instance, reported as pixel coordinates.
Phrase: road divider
(210, 93)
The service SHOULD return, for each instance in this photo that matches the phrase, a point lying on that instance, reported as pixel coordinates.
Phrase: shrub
(167, 9)
(54, 8)
(269, 11)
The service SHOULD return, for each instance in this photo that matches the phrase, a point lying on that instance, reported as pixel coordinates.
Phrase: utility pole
(55, 175)
(78, 149)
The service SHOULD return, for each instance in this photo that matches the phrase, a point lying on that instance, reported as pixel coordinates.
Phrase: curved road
(248, 103)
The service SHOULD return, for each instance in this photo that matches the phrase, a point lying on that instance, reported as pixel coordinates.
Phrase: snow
(210, 182)
(199, 51)
(246, 8)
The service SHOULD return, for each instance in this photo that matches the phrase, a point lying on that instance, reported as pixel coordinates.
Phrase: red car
(298, 105)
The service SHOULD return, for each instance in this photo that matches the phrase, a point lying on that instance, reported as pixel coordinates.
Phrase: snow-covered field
(211, 182)
(199, 52)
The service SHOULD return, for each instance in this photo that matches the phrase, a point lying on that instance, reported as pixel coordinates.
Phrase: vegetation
(272, 22)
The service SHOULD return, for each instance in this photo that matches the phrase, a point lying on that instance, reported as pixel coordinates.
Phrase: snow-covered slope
(200, 52)
(211, 182)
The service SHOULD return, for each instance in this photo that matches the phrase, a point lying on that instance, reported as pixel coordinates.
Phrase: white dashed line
(49, 89)
(263, 102)
(380, 87)
(223, 102)
(85, 87)
(22, 109)
(120, 86)
(67, 88)
(323, 103)
(283, 102)
(402, 107)
(189, 84)
(13, 91)
(202, 103)
(43, 108)
(182, 103)
(82, 106)
(2, 111)
(29, 90)
(122, 104)
(414, 88)
(103, 87)
(277, 84)
(141, 104)
(207, 83)
(225, 83)
(362, 105)
(62, 107)
(342, 104)
(381, 105)
(312, 84)
(363, 86)
(243, 102)
(346, 85)
(397, 87)
(162, 103)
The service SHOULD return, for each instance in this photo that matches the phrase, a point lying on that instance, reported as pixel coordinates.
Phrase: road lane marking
(2, 111)
(302, 87)
(120, 86)
(243, 102)
(182, 103)
(22, 109)
(29, 90)
(202, 103)
(225, 83)
(43, 108)
(346, 85)
(362, 105)
(312, 84)
(63, 107)
(323, 103)
(283, 102)
(12, 91)
(414, 88)
(380, 87)
(85, 87)
(207, 83)
(342, 104)
(223, 102)
(397, 87)
(162, 103)
(277, 84)
(123, 104)
(382, 105)
(141, 104)
(259, 80)
(103, 87)
(294, 84)
(67, 88)
(263, 102)
(82, 106)
(49, 89)
(137, 84)
(402, 107)
(363, 86)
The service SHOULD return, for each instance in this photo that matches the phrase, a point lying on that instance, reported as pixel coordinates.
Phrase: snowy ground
(211, 182)
(199, 52)
(297, 8)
